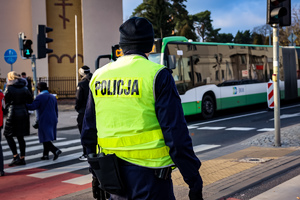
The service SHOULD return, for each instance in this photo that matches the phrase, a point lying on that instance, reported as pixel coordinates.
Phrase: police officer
(135, 112)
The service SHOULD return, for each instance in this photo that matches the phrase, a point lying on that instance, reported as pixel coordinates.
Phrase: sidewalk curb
(248, 178)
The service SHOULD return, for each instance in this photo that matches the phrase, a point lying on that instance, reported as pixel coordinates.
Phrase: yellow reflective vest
(124, 96)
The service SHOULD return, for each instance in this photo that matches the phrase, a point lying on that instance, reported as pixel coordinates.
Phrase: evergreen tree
(158, 12)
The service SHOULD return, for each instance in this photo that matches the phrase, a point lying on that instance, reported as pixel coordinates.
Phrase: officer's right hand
(195, 193)
(95, 188)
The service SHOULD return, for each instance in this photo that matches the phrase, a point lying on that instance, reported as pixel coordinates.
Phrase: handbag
(106, 169)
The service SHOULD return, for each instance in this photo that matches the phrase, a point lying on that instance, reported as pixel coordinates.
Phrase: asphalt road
(235, 125)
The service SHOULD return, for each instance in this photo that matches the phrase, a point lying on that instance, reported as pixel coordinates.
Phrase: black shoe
(45, 158)
(21, 162)
(2, 173)
(15, 160)
(56, 154)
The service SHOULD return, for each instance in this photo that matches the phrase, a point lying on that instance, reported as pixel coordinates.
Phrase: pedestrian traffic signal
(27, 50)
(279, 12)
(43, 40)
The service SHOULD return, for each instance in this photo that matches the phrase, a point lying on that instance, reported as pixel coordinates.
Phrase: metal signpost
(275, 78)
(10, 56)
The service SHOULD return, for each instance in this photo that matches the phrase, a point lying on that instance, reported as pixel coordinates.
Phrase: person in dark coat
(29, 82)
(17, 121)
(82, 94)
(1, 126)
(46, 106)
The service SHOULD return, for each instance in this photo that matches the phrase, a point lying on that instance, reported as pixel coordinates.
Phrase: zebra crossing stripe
(210, 128)
(266, 129)
(31, 157)
(192, 127)
(204, 147)
(43, 163)
(30, 143)
(26, 138)
(38, 147)
(239, 129)
(60, 170)
(82, 180)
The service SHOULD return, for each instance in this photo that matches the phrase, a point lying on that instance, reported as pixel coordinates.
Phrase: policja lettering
(120, 87)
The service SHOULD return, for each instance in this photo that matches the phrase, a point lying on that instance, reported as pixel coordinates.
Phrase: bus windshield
(155, 57)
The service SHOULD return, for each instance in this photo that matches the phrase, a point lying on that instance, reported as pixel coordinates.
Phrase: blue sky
(229, 15)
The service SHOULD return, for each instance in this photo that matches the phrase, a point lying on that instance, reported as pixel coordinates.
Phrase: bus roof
(184, 39)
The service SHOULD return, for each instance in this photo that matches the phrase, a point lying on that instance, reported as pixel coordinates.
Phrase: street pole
(33, 67)
(275, 78)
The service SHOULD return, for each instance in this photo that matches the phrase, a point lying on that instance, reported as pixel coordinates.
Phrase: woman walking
(46, 106)
(17, 121)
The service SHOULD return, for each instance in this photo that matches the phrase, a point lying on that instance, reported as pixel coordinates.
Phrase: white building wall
(101, 22)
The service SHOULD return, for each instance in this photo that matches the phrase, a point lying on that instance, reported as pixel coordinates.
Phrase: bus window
(182, 74)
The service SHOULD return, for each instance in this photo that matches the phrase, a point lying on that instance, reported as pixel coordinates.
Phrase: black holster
(106, 169)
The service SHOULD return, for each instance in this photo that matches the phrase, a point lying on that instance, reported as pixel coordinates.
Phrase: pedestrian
(46, 106)
(1, 126)
(17, 121)
(134, 111)
(82, 94)
(29, 82)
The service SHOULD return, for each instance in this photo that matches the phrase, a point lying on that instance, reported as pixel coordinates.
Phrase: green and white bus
(216, 76)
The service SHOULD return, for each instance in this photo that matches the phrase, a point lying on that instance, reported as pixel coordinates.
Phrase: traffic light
(279, 12)
(27, 50)
(116, 52)
(43, 40)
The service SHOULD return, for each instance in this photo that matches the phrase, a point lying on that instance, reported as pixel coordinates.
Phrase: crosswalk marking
(31, 157)
(34, 148)
(82, 180)
(204, 147)
(211, 128)
(26, 138)
(43, 163)
(72, 151)
(30, 143)
(230, 128)
(266, 129)
(239, 129)
(60, 170)
(192, 127)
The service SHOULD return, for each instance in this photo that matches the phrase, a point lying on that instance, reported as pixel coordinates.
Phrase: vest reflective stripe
(135, 139)
(140, 154)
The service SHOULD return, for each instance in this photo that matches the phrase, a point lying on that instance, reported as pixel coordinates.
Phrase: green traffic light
(27, 52)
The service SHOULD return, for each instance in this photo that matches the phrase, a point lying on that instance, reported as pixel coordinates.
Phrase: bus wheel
(208, 107)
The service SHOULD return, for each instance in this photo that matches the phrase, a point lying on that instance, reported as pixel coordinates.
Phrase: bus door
(182, 75)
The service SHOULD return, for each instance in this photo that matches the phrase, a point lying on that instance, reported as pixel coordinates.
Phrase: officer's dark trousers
(141, 184)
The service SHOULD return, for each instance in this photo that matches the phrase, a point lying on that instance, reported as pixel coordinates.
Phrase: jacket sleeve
(35, 104)
(79, 97)
(170, 115)
(89, 130)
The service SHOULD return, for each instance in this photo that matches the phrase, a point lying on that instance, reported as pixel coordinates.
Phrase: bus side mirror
(172, 61)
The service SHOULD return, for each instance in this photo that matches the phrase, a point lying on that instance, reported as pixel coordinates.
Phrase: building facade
(97, 30)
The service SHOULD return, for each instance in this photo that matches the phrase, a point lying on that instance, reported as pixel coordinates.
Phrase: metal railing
(64, 87)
